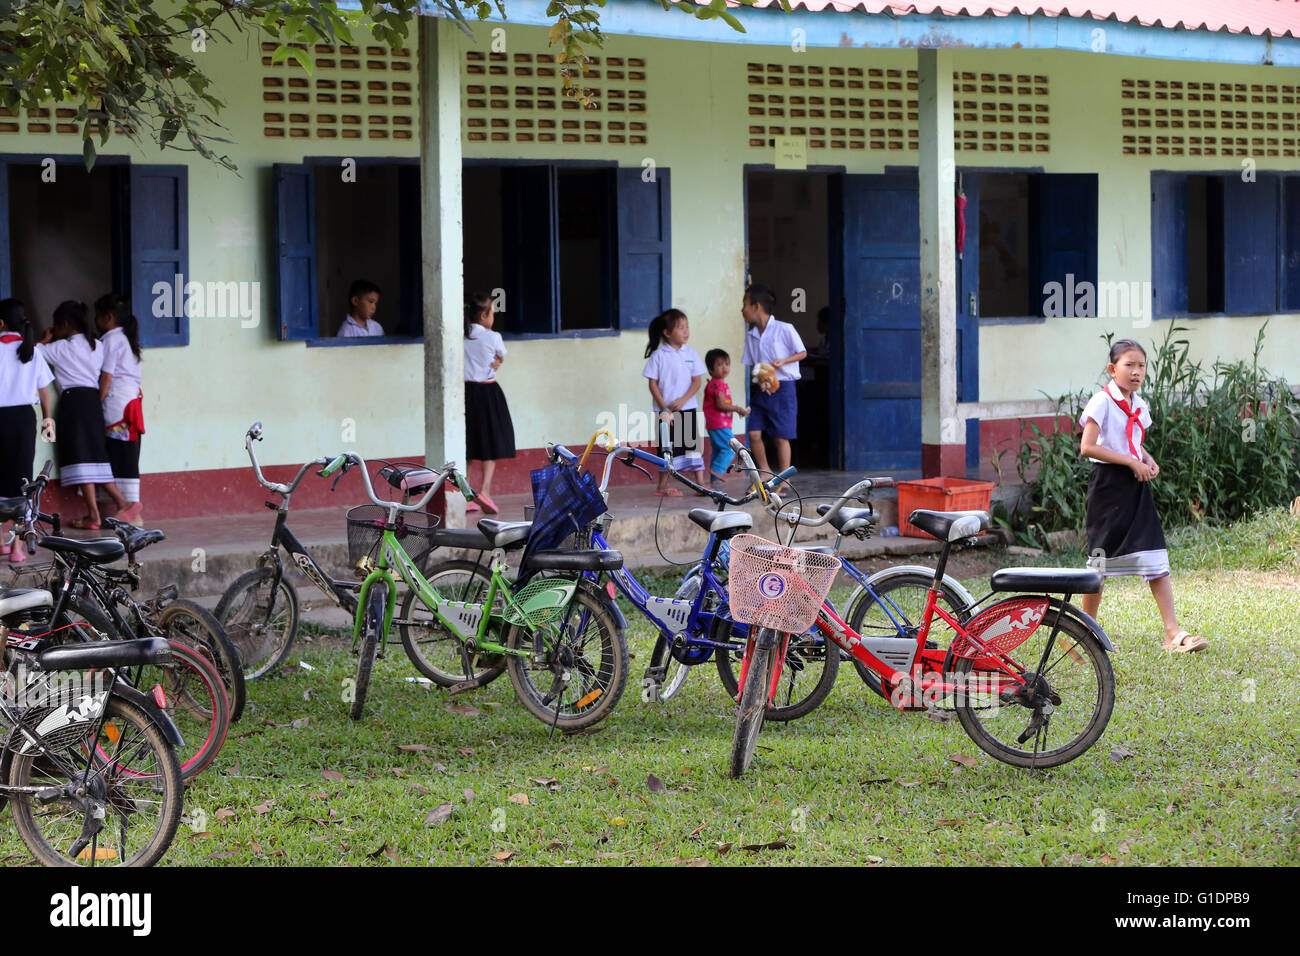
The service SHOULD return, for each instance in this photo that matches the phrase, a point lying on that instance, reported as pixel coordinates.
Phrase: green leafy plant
(1226, 437)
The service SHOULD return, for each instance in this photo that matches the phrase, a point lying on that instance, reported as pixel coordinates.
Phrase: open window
(572, 248)
(1035, 230)
(66, 233)
(1224, 245)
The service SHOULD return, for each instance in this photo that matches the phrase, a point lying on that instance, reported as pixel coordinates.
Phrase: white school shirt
(352, 329)
(1112, 421)
(481, 347)
(20, 380)
(74, 363)
(121, 363)
(673, 369)
(779, 340)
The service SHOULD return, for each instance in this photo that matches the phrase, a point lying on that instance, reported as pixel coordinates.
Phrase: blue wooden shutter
(528, 234)
(644, 247)
(1250, 214)
(6, 267)
(294, 197)
(1169, 243)
(1064, 207)
(160, 253)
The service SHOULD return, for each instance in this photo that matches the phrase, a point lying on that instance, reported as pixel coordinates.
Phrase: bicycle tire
(606, 679)
(372, 635)
(909, 608)
(674, 669)
(810, 650)
(753, 709)
(262, 626)
(190, 623)
(465, 591)
(161, 785)
(196, 702)
(977, 725)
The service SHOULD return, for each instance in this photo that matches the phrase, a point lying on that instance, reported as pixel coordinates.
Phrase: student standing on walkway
(774, 411)
(70, 348)
(676, 372)
(120, 392)
(489, 431)
(24, 376)
(1124, 531)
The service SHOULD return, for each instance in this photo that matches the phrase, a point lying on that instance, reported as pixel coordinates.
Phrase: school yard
(1197, 767)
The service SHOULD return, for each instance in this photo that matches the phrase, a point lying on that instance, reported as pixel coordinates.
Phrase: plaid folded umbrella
(566, 499)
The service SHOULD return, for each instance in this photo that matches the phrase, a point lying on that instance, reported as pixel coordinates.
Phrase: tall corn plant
(1227, 439)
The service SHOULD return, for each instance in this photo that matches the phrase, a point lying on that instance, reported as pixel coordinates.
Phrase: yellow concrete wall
(201, 398)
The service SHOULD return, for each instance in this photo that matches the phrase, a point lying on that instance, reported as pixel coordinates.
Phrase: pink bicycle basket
(771, 585)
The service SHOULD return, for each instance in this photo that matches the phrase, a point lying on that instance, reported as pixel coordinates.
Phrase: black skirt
(489, 432)
(17, 448)
(1124, 531)
(79, 438)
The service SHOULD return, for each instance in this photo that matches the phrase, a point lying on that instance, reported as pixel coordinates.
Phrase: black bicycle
(87, 761)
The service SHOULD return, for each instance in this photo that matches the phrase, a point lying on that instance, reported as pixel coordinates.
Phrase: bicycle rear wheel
(812, 663)
(194, 625)
(261, 619)
(762, 651)
(135, 780)
(372, 635)
(196, 702)
(436, 652)
(1061, 709)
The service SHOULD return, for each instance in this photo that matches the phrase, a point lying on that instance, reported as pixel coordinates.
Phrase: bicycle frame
(340, 592)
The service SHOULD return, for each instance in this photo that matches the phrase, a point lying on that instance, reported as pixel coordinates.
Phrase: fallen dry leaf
(503, 855)
(875, 860)
(654, 784)
(300, 723)
(697, 830)
(951, 823)
(773, 845)
(1108, 859)
(519, 798)
(465, 751)
(1121, 753)
(542, 781)
(469, 795)
(464, 709)
(201, 833)
(219, 854)
(414, 748)
(723, 847)
(557, 845)
(264, 807)
(964, 760)
(491, 703)
(332, 775)
(255, 847)
(224, 813)
(439, 814)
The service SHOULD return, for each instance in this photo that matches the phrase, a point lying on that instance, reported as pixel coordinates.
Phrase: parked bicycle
(87, 761)
(566, 657)
(1027, 700)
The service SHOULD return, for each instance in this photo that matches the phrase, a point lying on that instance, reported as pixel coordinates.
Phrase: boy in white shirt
(770, 341)
(363, 300)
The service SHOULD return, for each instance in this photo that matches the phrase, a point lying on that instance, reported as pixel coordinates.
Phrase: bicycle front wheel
(897, 611)
(134, 781)
(196, 701)
(436, 652)
(1059, 711)
(573, 679)
(261, 619)
(811, 665)
(372, 635)
(763, 658)
(194, 625)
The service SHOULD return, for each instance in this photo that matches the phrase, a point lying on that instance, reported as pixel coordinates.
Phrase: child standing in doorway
(676, 373)
(1124, 531)
(718, 409)
(489, 431)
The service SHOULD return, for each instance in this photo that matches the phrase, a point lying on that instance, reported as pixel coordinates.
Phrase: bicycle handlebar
(858, 491)
(255, 434)
(348, 460)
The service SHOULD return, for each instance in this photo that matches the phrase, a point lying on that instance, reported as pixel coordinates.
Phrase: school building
(977, 195)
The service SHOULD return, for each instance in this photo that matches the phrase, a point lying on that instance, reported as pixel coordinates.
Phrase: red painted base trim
(940, 461)
(1007, 435)
(223, 491)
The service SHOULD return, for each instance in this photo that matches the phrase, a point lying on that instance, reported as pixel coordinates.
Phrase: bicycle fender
(601, 594)
(880, 576)
(1087, 619)
(159, 716)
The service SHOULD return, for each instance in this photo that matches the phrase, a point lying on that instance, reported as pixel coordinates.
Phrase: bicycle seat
(849, 520)
(717, 522)
(595, 559)
(12, 509)
(23, 599)
(1047, 580)
(97, 654)
(410, 478)
(950, 525)
(470, 539)
(502, 534)
(134, 538)
(96, 550)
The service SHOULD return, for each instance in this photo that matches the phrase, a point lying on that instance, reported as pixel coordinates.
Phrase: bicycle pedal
(462, 687)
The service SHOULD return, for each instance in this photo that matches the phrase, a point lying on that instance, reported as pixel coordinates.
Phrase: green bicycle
(566, 655)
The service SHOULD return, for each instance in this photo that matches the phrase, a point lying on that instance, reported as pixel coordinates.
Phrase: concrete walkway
(202, 556)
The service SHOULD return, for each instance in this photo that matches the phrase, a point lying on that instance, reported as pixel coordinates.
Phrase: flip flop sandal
(1184, 643)
(84, 524)
(489, 506)
(668, 493)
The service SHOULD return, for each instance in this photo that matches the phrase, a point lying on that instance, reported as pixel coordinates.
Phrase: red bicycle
(1027, 699)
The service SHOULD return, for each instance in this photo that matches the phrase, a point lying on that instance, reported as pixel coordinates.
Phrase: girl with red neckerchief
(1124, 532)
(24, 378)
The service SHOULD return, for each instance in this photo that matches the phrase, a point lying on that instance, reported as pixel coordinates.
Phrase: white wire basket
(771, 585)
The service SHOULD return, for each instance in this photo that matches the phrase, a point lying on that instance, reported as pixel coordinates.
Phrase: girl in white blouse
(489, 431)
(73, 353)
(24, 377)
(120, 392)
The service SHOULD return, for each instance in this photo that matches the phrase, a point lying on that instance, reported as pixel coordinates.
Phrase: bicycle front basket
(771, 585)
(366, 525)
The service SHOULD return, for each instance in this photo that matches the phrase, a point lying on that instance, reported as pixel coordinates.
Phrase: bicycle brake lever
(633, 464)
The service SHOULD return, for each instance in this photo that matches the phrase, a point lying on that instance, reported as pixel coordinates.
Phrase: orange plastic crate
(940, 494)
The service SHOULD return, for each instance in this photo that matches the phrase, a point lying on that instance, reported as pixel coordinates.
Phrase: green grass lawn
(1200, 765)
